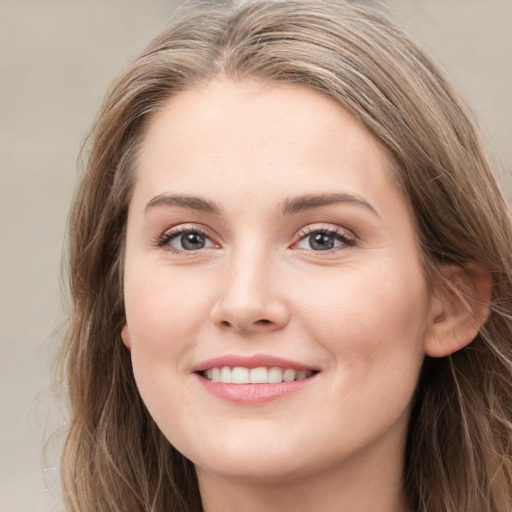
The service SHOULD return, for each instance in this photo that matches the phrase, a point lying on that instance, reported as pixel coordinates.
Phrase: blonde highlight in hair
(459, 447)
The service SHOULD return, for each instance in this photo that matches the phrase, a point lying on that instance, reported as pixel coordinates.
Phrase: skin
(361, 314)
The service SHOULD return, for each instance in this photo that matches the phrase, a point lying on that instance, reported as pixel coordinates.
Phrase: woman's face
(265, 234)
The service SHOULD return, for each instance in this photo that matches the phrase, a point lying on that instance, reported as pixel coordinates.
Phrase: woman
(291, 277)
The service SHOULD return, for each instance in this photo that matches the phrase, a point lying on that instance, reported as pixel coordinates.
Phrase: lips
(253, 379)
(253, 361)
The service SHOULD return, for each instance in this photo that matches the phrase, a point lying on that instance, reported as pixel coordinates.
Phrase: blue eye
(185, 240)
(321, 241)
(191, 241)
(324, 240)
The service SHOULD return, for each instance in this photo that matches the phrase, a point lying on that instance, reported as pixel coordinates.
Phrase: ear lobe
(125, 335)
(460, 306)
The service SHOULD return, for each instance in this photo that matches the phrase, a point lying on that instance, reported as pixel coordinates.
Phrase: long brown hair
(459, 447)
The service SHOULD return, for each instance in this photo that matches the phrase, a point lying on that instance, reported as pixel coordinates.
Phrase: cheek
(164, 312)
(162, 307)
(373, 331)
(372, 322)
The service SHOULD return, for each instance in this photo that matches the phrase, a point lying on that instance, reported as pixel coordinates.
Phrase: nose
(250, 297)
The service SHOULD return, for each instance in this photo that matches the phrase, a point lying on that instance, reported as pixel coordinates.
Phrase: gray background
(56, 60)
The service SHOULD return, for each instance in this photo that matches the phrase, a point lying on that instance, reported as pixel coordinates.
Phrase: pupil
(192, 241)
(321, 241)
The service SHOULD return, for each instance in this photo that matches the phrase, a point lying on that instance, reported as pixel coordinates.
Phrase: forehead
(250, 132)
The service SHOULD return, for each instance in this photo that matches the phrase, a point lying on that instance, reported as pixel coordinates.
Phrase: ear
(460, 306)
(125, 335)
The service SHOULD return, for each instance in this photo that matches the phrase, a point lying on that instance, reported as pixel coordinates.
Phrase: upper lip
(254, 361)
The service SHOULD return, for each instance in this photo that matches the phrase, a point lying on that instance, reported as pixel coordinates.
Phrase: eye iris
(192, 241)
(321, 241)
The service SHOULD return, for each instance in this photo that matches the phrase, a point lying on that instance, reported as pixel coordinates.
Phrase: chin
(258, 457)
(275, 460)
(257, 470)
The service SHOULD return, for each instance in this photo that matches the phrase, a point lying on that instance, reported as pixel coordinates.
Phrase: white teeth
(239, 375)
(225, 375)
(260, 375)
(275, 375)
(289, 375)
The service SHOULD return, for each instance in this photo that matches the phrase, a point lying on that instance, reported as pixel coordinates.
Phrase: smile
(260, 375)
(253, 379)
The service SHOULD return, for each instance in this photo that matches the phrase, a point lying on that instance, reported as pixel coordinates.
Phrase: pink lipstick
(253, 379)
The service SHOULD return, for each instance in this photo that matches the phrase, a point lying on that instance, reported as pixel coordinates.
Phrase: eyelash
(342, 236)
(163, 241)
(345, 238)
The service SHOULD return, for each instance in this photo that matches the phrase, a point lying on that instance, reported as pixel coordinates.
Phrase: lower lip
(253, 393)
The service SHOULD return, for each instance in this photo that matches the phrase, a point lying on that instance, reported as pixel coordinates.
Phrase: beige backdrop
(56, 59)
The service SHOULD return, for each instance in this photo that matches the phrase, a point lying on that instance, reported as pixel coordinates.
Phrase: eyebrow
(310, 201)
(290, 206)
(192, 202)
